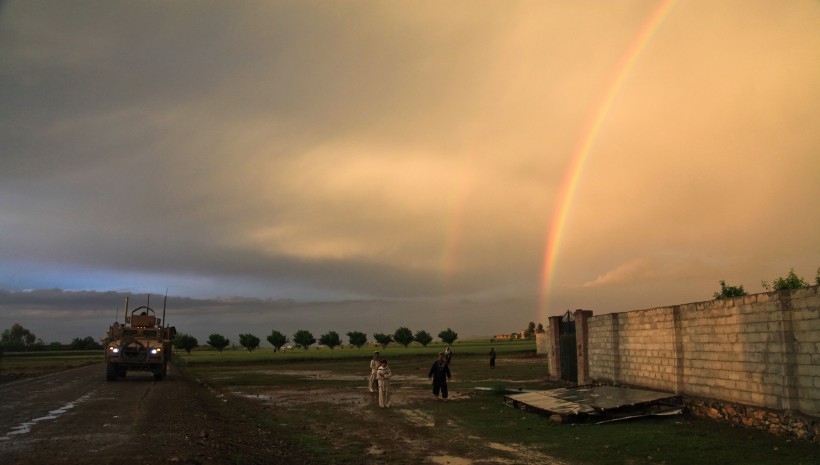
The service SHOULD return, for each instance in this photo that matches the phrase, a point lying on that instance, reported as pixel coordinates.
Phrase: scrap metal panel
(599, 402)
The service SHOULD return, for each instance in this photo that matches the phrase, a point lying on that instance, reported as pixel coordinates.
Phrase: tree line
(20, 339)
(304, 339)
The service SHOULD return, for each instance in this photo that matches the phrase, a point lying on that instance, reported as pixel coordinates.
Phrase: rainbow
(455, 232)
(584, 146)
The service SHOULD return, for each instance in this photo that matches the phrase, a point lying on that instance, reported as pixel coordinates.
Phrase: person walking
(374, 365)
(448, 355)
(383, 375)
(440, 373)
(492, 357)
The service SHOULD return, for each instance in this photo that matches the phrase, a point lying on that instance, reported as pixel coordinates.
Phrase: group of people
(380, 376)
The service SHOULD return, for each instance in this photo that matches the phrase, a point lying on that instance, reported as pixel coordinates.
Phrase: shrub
(727, 292)
(790, 281)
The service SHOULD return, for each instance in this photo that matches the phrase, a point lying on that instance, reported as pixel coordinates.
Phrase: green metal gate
(569, 355)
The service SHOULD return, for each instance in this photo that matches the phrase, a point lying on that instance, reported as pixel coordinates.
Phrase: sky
(366, 165)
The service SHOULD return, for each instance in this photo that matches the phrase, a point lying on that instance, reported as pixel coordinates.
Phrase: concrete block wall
(542, 342)
(805, 344)
(732, 349)
(635, 348)
(760, 350)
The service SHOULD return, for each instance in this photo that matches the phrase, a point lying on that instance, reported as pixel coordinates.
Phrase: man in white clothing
(374, 365)
(383, 375)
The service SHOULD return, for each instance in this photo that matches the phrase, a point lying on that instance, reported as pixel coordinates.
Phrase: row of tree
(19, 339)
(790, 281)
(304, 339)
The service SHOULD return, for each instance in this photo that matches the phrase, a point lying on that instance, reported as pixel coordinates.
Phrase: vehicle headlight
(156, 350)
(114, 349)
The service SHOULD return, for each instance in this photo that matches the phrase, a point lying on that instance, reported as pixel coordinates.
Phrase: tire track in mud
(71, 412)
(26, 403)
(82, 419)
(53, 415)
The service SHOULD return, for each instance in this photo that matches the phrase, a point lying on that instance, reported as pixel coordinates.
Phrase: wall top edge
(761, 297)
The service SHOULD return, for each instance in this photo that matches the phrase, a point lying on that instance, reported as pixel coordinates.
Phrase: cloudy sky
(365, 165)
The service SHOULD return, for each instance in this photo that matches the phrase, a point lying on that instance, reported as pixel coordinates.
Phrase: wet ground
(77, 417)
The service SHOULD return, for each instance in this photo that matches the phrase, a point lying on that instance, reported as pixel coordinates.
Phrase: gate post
(554, 353)
(582, 340)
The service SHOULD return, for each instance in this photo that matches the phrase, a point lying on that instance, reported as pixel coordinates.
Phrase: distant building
(517, 335)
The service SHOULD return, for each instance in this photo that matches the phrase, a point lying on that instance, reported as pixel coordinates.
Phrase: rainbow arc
(585, 144)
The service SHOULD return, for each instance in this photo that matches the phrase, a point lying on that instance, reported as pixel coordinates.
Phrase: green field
(460, 348)
(16, 365)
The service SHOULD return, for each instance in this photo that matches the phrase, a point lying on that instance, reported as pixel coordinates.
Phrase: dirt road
(77, 417)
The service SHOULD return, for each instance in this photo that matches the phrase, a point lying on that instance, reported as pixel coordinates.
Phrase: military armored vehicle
(141, 343)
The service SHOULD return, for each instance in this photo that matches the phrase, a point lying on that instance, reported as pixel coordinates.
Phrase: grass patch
(674, 440)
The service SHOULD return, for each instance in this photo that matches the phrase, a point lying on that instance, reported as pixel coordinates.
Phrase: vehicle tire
(111, 371)
(159, 372)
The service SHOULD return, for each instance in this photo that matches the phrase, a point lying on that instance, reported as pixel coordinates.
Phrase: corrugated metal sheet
(598, 401)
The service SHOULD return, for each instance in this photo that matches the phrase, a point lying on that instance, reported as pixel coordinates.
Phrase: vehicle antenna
(164, 301)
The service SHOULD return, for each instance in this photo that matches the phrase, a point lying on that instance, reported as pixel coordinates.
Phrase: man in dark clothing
(440, 373)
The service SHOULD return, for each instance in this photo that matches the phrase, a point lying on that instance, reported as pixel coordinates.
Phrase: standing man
(374, 366)
(383, 375)
(492, 357)
(440, 373)
(448, 355)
